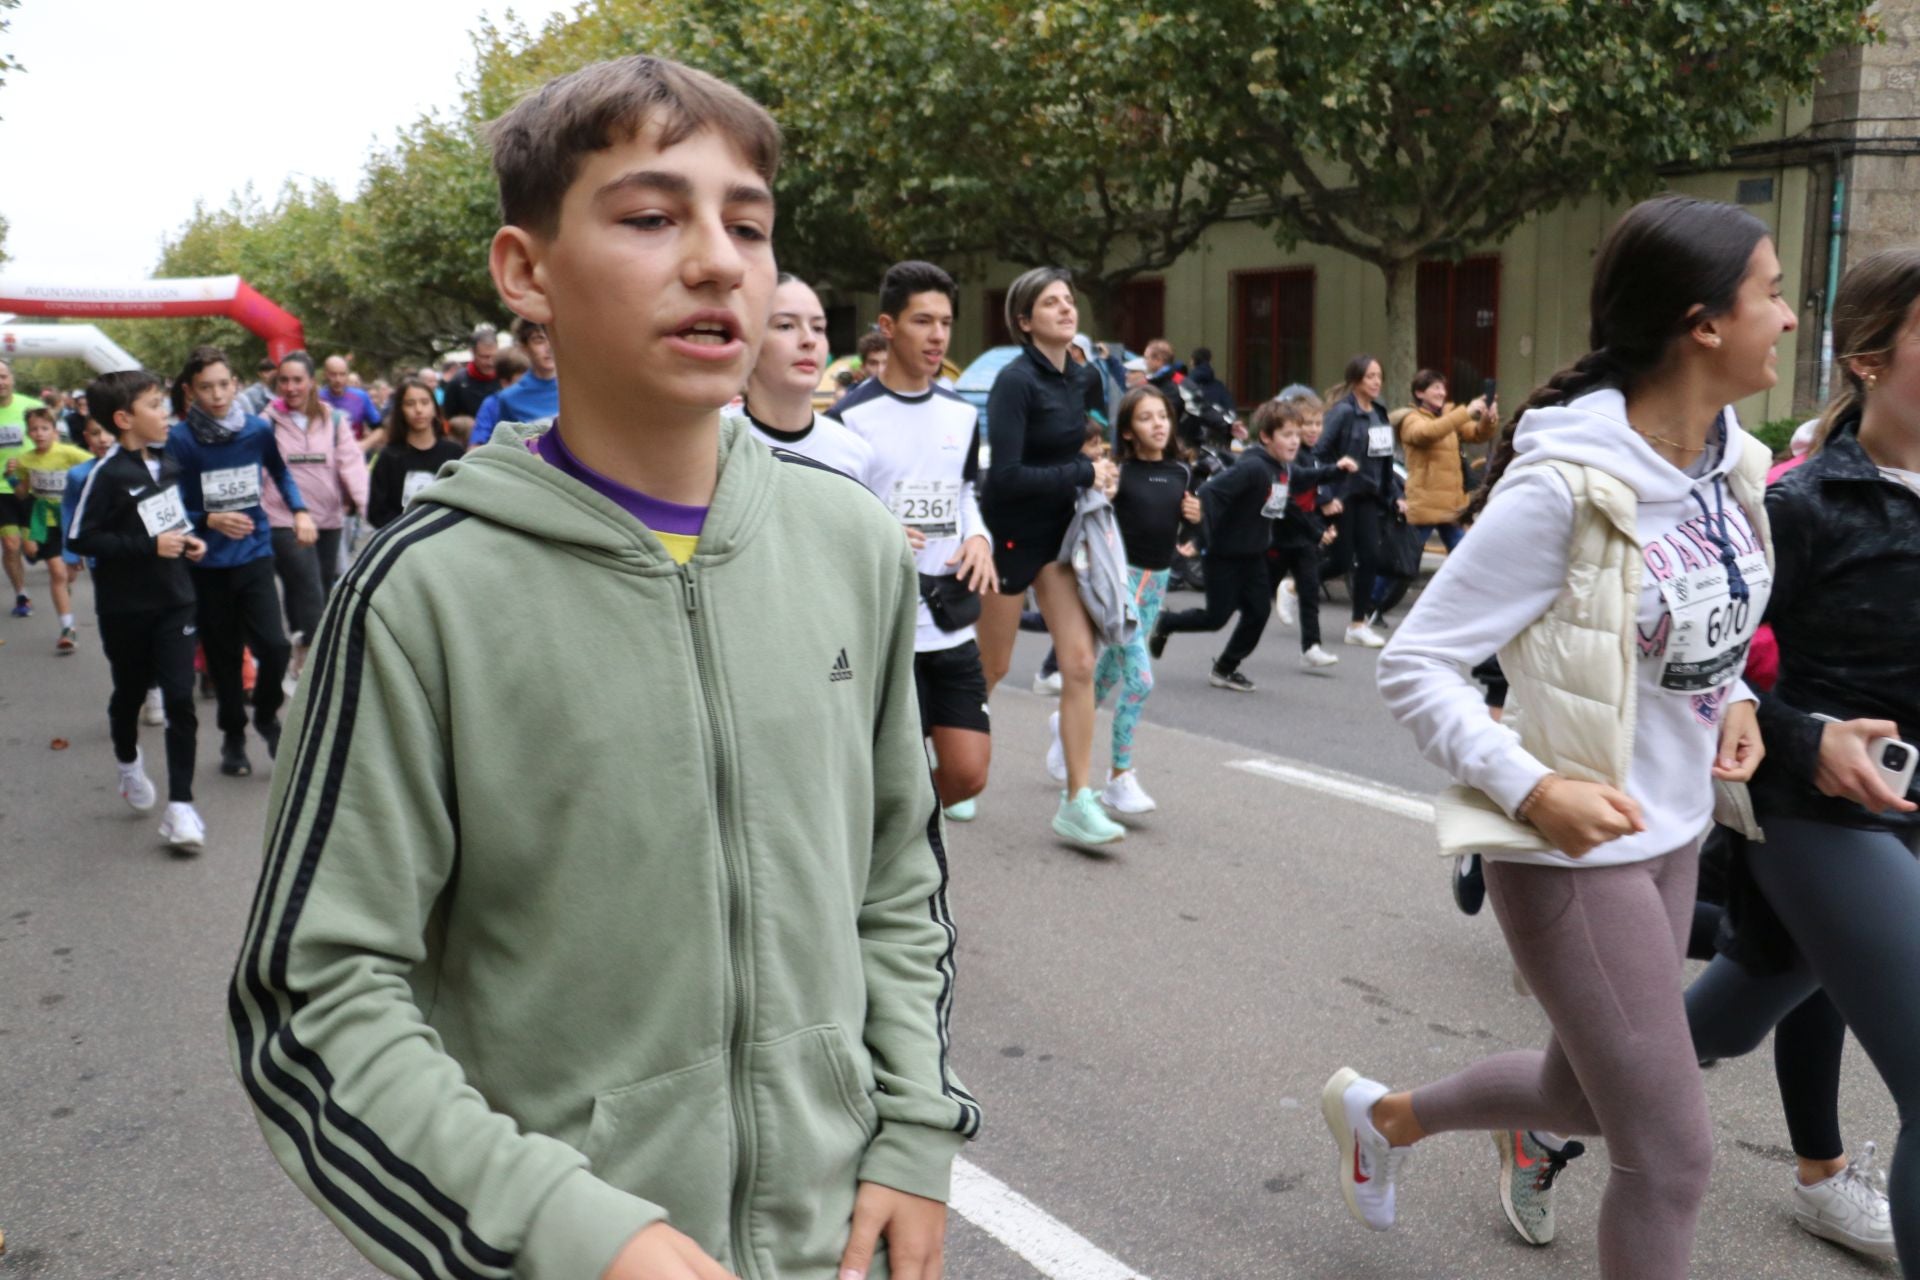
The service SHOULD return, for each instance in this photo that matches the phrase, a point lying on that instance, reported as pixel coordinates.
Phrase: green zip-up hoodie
(599, 890)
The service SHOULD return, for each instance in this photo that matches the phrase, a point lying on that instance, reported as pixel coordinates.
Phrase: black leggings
(1848, 898)
(1362, 528)
(307, 575)
(1234, 584)
(147, 649)
(1304, 561)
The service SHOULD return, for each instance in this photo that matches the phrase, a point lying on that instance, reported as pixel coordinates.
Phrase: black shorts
(1018, 561)
(953, 689)
(50, 546)
(15, 510)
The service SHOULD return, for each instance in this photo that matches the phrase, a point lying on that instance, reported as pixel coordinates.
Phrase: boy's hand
(915, 539)
(975, 559)
(1187, 549)
(171, 545)
(661, 1253)
(1190, 508)
(1333, 508)
(1326, 539)
(1347, 464)
(232, 524)
(195, 548)
(915, 1229)
(305, 531)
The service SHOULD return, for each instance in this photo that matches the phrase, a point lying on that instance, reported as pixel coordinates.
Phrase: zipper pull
(693, 596)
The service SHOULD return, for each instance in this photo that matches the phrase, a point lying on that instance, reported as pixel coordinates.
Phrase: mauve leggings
(1602, 948)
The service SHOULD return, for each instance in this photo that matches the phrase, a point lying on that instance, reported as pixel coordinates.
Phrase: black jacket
(1209, 387)
(1037, 425)
(1345, 436)
(386, 487)
(463, 394)
(1846, 610)
(1233, 500)
(106, 523)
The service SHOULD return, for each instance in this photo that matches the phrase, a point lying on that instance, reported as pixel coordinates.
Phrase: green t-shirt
(13, 428)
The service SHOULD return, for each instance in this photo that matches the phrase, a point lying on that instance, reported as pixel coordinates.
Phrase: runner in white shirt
(926, 460)
(779, 401)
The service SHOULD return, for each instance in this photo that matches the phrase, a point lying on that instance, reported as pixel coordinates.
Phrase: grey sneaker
(1527, 1171)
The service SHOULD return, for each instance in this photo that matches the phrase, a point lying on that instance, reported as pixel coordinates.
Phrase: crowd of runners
(1589, 665)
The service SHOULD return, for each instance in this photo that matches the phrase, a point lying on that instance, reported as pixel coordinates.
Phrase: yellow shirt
(680, 546)
(43, 476)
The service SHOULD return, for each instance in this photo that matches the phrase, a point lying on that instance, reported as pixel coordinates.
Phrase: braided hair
(1668, 264)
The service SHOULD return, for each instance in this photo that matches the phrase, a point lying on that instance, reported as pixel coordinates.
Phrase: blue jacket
(252, 446)
(529, 400)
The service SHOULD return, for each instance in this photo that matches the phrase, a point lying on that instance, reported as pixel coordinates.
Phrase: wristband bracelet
(1533, 797)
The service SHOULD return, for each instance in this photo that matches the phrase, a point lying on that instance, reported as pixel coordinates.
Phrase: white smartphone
(1894, 760)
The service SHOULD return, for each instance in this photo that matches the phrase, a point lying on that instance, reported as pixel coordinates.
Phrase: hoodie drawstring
(1722, 540)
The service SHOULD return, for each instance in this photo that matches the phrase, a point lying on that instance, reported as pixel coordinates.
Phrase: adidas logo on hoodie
(842, 669)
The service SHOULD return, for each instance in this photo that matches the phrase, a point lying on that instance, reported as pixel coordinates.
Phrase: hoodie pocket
(669, 1139)
(813, 1121)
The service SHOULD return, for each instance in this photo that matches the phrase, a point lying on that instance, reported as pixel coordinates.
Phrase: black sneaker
(1379, 622)
(1469, 884)
(1229, 680)
(269, 731)
(233, 756)
(1156, 642)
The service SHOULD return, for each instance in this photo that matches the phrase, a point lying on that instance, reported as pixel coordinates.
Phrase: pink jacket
(326, 463)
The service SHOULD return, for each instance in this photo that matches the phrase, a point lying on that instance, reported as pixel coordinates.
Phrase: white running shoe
(153, 711)
(1047, 686)
(1124, 794)
(1365, 636)
(182, 829)
(1369, 1164)
(1850, 1209)
(136, 788)
(1317, 657)
(1286, 604)
(1056, 754)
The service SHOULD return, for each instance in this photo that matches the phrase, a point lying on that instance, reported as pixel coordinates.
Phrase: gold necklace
(1671, 444)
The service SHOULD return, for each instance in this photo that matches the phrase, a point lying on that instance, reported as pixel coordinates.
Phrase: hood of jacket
(1592, 431)
(505, 483)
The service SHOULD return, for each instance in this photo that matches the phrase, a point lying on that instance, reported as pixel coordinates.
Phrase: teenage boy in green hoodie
(626, 956)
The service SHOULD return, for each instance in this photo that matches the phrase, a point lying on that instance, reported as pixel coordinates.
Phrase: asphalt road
(1147, 1028)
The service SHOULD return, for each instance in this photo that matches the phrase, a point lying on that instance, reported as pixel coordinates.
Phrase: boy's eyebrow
(676, 184)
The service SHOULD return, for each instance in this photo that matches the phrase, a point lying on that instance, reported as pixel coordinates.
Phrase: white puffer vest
(1572, 671)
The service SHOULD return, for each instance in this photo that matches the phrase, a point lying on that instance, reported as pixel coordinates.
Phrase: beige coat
(1435, 469)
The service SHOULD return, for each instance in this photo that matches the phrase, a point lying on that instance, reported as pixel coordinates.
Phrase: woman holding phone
(1837, 878)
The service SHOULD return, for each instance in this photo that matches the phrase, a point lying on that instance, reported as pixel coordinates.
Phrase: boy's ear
(884, 323)
(517, 261)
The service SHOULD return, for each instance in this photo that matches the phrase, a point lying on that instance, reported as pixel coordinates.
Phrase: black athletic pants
(1303, 562)
(307, 575)
(145, 649)
(1362, 528)
(1234, 584)
(239, 607)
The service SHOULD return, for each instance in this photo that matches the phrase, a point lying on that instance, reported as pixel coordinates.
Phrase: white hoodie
(1508, 571)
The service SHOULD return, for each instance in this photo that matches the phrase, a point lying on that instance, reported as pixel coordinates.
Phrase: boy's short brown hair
(1291, 412)
(538, 144)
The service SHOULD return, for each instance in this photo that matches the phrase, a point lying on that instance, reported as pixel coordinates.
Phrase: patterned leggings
(1129, 664)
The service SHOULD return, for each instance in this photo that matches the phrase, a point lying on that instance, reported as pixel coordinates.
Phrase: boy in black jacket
(1240, 506)
(1300, 533)
(131, 519)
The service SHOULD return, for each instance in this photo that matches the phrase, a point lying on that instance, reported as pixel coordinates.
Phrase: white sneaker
(1056, 754)
(1850, 1209)
(1369, 1164)
(136, 788)
(1317, 657)
(1124, 794)
(1286, 604)
(1365, 636)
(182, 829)
(1047, 686)
(153, 711)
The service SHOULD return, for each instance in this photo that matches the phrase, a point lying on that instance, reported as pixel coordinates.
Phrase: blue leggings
(1130, 665)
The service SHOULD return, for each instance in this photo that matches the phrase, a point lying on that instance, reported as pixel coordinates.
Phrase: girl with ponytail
(1832, 898)
(1619, 566)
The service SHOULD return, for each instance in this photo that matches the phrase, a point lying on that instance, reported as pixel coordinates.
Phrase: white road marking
(1344, 785)
(1056, 1250)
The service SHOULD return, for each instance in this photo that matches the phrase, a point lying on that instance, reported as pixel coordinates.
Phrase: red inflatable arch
(228, 296)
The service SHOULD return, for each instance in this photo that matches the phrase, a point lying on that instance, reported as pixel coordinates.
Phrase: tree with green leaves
(1397, 130)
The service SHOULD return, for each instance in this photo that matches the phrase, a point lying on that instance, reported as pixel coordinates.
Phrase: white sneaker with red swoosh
(1369, 1164)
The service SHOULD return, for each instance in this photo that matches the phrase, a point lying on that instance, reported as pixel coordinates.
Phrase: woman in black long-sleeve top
(1357, 428)
(1036, 425)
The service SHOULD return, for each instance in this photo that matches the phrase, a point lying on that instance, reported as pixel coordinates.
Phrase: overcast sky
(129, 111)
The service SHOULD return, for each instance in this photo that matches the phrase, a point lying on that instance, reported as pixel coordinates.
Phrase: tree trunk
(1400, 361)
(1102, 318)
